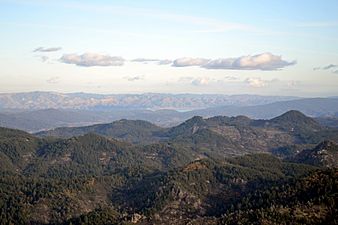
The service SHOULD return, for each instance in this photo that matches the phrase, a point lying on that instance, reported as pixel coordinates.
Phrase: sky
(179, 46)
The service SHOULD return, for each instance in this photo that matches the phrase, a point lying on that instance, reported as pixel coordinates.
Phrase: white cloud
(200, 81)
(92, 59)
(53, 80)
(256, 82)
(42, 49)
(134, 78)
(264, 61)
(187, 61)
(219, 64)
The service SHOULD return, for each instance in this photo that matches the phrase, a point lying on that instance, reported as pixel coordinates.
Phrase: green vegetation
(309, 200)
(205, 171)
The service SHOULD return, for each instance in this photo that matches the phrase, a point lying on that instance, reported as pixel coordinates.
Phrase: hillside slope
(187, 178)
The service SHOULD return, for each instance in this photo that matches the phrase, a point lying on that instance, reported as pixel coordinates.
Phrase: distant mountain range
(21, 111)
(152, 101)
(310, 106)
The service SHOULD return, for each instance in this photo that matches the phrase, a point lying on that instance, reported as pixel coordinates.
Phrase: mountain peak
(294, 120)
(291, 115)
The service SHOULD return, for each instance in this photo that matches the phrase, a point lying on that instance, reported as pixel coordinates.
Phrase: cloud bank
(92, 59)
(42, 49)
(249, 82)
(200, 81)
(264, 61)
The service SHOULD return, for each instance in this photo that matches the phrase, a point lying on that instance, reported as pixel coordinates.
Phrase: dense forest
(220, 170)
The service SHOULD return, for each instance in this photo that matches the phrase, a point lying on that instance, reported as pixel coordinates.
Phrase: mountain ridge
(42, 100)
(37, 120)
(216, 136)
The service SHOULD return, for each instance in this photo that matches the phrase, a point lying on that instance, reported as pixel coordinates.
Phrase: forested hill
(237, 133)
(129, 130)
(219, 170)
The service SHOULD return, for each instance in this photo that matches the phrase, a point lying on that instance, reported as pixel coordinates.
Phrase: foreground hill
(218, 170)
(235, 190)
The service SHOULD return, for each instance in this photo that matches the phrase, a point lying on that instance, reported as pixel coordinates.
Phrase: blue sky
(229, 47)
